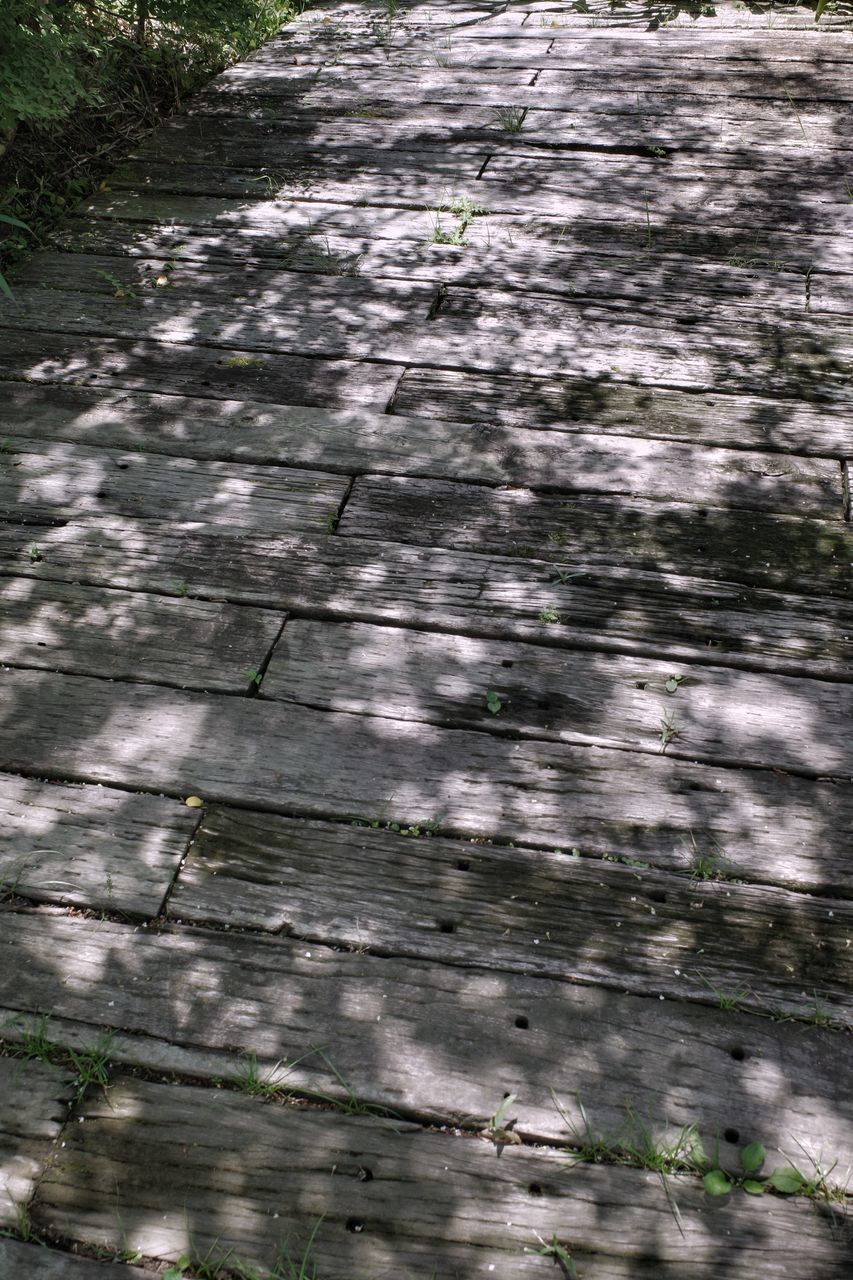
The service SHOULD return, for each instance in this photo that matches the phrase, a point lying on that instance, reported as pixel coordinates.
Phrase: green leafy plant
(498, 1128)
(557, 1253)
(7, 218)
(670, 729)
(465, 211)
(119, 288)
(510, 119)
(493, 702)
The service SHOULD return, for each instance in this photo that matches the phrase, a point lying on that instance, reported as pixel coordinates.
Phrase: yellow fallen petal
(193, 802)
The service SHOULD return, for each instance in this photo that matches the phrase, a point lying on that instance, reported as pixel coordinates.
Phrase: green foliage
(59, 52)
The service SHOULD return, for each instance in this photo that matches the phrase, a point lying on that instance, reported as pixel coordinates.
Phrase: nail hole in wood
(354, 1224)
(731, 1135)
(463, 865)
(738, 1054)
(657, 895)
(522, 1022)
(506, 662)
(447, 926)
(639, 684)
(364, 1175)
(535, 1189)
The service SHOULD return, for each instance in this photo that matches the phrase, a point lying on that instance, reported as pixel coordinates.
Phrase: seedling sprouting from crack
(510, 119)
(498, 1128)
(669, 730)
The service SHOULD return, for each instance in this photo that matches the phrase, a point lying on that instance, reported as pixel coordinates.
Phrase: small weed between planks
(636, 1146)
(510, 119)
(91, 1066)
(557, 1253)
(465, 211)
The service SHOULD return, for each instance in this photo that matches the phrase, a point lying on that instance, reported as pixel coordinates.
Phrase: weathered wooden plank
(33, 1101)
(337, 318)
(79, 479)
(274, 999)
(390, 1197)
(42, 1262)
(359, 175)
(708, 713)
(579, 186)
(674, 287)
(495, 331)
(826, 84)
(91, 846)
(277, 757)
(757, 249)
(713, 418)
(622, 610)
(69, 479)
(126, 635)
(781, 551)
(474, 329)
(627, 189)
(262, 134)
(51, 358)
(571, 919)
(39, 1262)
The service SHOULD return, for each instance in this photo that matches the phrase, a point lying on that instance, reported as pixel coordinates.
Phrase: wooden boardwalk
(430, 452)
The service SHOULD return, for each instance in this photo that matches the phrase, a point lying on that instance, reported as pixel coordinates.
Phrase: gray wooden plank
(127, 635)
(277, 377)
(259, 136)
(337, 318)
(620, 188)
(261, 497)
(427, 1201)
(676, 287)
(416, 178)
(447, 1042)
(613, 609)
(760, 249)
(40, 1262)
(91, 846)
(539, 334)
(69, 479)
(473, 329)
(654, 807)
(826, 84)
(570, 919)
(713, 714)
(608, 405)
(33, 1101)
(782, 551)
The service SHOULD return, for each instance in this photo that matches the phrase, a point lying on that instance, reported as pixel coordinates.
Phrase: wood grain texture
(435, 1040)
(125, 635)
(33, 1101)
(662, 810)
(342, 318)
(676, 286)
(46, 359)
(38, 1262)
(216, 1168)
(711, 417)
(71, 479)
(90, 846)
(563, 917)
(622, 610)
(807, 555)
(708, 713)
